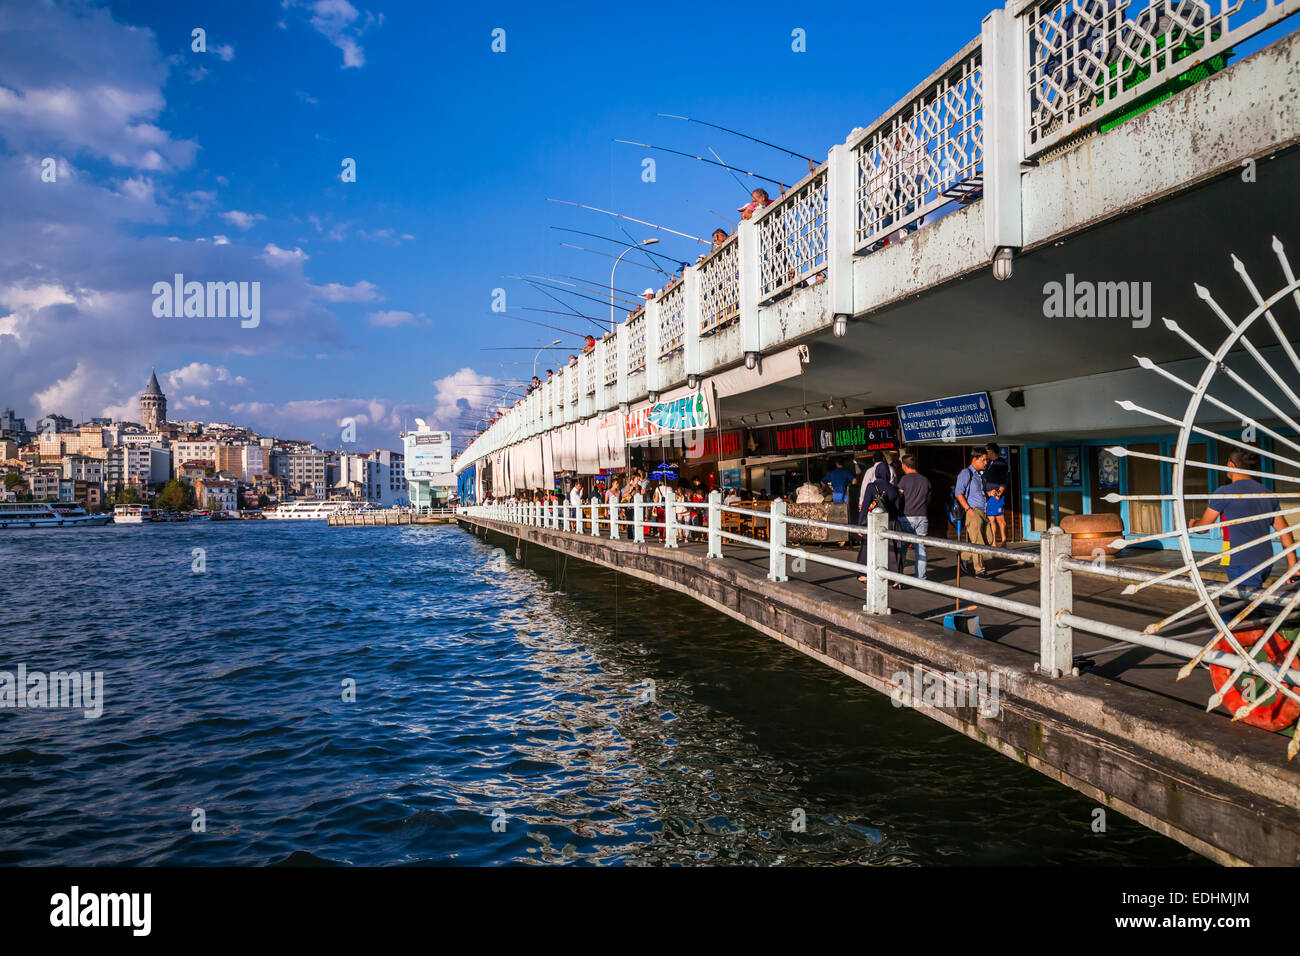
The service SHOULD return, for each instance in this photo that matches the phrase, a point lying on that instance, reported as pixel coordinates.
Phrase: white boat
(42, 514)
(312, 510)
(132, 514)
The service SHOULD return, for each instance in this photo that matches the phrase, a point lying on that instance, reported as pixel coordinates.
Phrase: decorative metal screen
(720, 287)
(792, 237)
(636, 341)
(1087, 59)
(571, 373)
(928, 154)
(672, 315)
(611, 361)
(588, 365)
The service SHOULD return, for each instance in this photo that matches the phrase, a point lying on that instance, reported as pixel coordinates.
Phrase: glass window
(1039, 506)
(1144, 517)
(1104, 479)
(1197, 480)
(1038, 477)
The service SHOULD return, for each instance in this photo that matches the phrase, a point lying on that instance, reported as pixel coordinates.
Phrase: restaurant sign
(688, 413)
(871, 432)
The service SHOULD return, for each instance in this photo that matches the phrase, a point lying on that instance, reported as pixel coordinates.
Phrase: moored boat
(47, 514)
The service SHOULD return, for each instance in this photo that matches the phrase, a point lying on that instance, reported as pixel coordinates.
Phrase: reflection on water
(543, 712)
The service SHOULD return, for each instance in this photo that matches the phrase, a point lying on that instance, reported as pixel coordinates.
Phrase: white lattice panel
(571, 373)
(588, 365)
(636, 341)
(672, 316)
(720, 286)
(792, 237)
(1090, 58)
(929, 153)
(611, 361)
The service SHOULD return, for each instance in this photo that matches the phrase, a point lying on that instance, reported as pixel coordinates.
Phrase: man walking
(972, 500)
(839, 478)
(915, 519)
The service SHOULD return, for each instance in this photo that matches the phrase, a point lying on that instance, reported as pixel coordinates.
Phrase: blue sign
(955, 419)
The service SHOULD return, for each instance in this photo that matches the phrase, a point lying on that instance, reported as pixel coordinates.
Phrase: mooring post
(715, 524)
(776, 543)
(638, 517)
(670, 520)
(1056, 590)
(877, 559)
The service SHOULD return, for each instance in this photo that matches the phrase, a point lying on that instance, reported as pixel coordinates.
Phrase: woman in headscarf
(877, 493)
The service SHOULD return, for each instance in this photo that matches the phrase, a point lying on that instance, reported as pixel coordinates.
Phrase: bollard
(776, 543)
(1056, 589)
(670, 520)
(638, 519)
(877, 559)
(715, 524)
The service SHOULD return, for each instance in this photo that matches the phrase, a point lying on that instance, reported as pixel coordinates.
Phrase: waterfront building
(377, 478)
(153, 404)
(14, 428)
(428, 456)
(43, 482)
(83, 468)
(220, 493)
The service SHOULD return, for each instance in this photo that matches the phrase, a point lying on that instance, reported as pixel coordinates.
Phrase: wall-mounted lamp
(692, 382)
(1004, 265)
(622, 408)
(841, 325)
(751, 359)
(654, 397)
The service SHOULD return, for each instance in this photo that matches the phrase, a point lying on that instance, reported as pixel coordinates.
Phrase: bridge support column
(776, 542)
(670, 520)
(1003, 70)
(1056, 590)
(715, 524)
(841, 216)
(751, 334)
(638, 517)
(691, 323)
(877, 559)
(653, 373)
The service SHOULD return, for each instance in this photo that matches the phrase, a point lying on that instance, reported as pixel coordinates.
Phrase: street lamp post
(539, 355)
(643, 242)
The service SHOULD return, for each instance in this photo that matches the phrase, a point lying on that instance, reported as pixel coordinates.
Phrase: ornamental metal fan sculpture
(1249, 637)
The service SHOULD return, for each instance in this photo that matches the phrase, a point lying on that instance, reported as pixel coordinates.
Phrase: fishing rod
(600, 285)
(607, 255)
(733, 175)
(566, 292)
(642, 222)
(725, 219)
(711, 162)
(625, 245)
(566, 305)
(733, 132)
(581, 335)
(533, 308)
(596, 287)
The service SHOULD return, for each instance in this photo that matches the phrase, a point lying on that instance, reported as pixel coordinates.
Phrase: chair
(761, 525)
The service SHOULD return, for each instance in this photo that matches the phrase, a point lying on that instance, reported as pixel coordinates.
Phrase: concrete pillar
(1003, 81)
(715, 524)
(670, 520)
(638, 519)
(877, 560)
(775, 542)
(1056, 590)
(653, 373)
(747, 255)
(841, 221)
(691, 323)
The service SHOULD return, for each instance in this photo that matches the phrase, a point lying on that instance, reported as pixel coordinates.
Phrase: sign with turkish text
(955, 419)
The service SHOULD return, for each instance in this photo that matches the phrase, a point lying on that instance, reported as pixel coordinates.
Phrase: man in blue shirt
(1224, 505)
(972, 500)
(839, 478)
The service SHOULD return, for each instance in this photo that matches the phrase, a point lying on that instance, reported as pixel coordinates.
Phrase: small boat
(47, 514)
(132, 514)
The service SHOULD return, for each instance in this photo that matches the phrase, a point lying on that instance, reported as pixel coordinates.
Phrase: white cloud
(340, 23)
(388, 320)
(241, 220)
(363, 291)
(225, 51)
(220, 241)
(276, 256)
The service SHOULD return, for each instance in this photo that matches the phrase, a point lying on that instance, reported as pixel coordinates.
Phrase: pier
(385, 519)
(1123, 731)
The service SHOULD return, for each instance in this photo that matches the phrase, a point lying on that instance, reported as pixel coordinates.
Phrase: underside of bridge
(978, 334)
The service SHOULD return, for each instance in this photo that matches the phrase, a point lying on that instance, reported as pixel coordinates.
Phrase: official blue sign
(955, 419)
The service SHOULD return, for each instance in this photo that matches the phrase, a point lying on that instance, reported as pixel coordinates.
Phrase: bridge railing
(927, 152)
(720, 286)
(1057, 568)
(1087, 60)
(792, 237)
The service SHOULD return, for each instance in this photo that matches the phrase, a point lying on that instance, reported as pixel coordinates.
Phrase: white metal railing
(1088, 59)
(1054, 610)
(636, 341)
(792, 237)
(571, 373)
(928, 153)
(588, 364)
(672, 318)
(720, 286)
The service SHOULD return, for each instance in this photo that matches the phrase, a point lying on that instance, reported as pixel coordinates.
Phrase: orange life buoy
(1278, 711)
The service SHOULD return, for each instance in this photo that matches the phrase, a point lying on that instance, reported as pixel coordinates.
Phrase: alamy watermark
(38, 690)
(952, 690)
(210, 300)
(1083, 299)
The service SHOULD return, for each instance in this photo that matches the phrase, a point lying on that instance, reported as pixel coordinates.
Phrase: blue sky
(376, 294)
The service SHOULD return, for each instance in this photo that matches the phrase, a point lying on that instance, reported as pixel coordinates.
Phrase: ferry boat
(311, 510)
(47, 514)
(132, 514)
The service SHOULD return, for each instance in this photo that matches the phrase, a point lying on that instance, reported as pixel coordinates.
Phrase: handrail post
(715, 524)
(1056, 597)
(638, 518)
(613, 520)
(670, 520)
(776, 543)
(877, 558)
